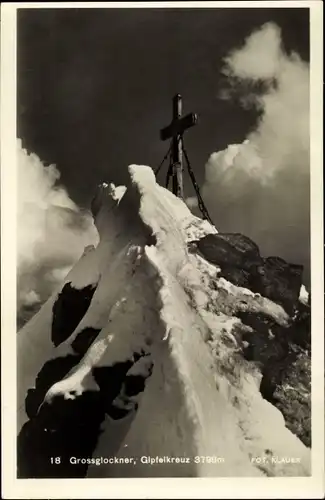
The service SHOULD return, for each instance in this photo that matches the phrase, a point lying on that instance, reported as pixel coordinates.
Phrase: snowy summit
(155, 358)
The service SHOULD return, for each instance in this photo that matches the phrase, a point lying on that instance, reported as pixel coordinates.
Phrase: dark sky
(95, 85)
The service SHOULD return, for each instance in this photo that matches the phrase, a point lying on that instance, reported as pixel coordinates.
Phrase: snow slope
(166, 310)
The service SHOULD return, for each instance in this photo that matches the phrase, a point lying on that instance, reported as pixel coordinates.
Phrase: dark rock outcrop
(84, 339)
(293, 395)
(278, 281)
(283, 356)
(230, 250)
(68, 310)
(71, 428)
(241, 263)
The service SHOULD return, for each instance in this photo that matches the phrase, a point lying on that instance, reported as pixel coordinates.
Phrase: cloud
(259, 57)
(51, 231)
(261, 186)
(191, 202)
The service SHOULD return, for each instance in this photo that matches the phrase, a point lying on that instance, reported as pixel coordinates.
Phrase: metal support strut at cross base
(175, 132)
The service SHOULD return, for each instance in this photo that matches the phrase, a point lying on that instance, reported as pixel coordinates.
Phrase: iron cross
(174, 131)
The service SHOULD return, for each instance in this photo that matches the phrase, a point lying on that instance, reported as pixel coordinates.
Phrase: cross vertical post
(177, 175)
(174, 131)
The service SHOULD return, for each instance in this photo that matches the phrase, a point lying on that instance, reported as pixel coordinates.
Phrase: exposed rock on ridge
(241, 263)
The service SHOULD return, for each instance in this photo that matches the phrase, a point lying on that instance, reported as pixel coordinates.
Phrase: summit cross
(174, 131)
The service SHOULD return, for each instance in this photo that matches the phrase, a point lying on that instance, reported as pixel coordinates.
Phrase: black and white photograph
(165, 313)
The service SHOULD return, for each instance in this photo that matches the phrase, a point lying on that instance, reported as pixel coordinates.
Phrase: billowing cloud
(51, 231)
(261, 187)
(191, 202)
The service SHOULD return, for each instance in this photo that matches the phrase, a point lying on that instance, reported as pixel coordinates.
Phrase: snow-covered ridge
(166, 310)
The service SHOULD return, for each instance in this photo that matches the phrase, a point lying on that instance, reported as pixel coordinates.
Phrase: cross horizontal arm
(178, 126)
